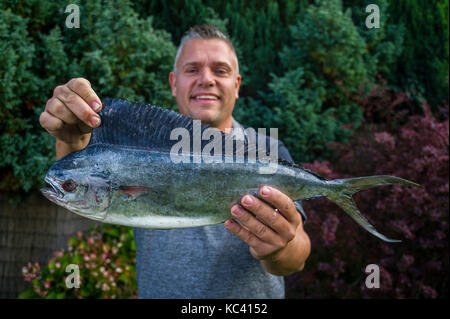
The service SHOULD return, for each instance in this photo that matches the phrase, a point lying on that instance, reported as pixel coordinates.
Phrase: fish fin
(349, 186)
(135, 125)
(134, 192)
(348, 205)
(360, 183)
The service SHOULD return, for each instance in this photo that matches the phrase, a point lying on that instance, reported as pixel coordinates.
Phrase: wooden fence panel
(29, 232)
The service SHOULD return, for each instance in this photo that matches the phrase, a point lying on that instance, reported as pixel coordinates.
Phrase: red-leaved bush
(390, 142)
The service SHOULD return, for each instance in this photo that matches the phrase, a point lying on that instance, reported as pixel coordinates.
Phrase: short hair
(204, 32)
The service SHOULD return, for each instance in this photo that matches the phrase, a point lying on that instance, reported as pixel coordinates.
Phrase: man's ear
(238, 85)
(173, 83)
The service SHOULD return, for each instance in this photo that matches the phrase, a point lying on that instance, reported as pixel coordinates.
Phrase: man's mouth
(205, 97)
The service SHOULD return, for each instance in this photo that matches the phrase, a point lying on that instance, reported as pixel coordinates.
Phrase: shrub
(106, 258)
(313, 101)
(418, 267)
(423, 66)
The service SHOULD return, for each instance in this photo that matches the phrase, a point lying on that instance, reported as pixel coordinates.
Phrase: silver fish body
(146, 189)
(127, 175)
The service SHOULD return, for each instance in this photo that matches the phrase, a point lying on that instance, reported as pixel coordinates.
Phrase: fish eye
(69, 185)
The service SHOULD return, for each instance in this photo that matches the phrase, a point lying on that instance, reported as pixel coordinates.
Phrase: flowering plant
(104, 259)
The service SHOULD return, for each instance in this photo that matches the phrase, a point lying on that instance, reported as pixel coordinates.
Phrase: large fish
(130, 175)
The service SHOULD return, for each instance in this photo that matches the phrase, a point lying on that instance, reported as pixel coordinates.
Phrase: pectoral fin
(133, 192)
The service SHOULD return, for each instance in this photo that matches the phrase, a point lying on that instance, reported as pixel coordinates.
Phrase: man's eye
(190, 70)
(221, 71)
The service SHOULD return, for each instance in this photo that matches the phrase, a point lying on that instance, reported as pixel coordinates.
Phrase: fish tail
(347, 187)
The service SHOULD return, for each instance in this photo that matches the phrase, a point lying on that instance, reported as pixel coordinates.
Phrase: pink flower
(429, 292)
(58, 253)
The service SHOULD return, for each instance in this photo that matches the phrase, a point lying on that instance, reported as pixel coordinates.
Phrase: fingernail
(95, 120)
(248, 200)
(236, 210)
(95, 106)
(228, 223)
(265, 191)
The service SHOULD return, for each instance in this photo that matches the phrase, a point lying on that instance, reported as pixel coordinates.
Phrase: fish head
(81, 192)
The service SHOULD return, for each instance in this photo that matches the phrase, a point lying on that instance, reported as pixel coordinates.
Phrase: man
(234, 260)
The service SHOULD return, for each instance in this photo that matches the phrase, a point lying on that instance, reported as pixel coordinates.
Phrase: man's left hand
(275, 236)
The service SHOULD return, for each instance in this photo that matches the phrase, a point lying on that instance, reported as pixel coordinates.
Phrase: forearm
(292, 258)
(63, 149)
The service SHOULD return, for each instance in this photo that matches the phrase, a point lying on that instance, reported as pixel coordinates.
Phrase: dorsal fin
(137, 125)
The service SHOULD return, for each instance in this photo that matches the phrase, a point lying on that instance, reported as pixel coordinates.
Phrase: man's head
(205, 79)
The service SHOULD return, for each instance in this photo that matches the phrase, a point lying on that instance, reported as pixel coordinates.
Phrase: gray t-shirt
(202, 262)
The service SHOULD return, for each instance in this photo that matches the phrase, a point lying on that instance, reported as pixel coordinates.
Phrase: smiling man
(244, 258)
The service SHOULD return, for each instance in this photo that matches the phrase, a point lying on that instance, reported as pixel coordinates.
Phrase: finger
(77, 106)
(255, 226)
(269, 216)
(243, 233)
(82, 88)
(281, 201)
(57, 109)
(49, 122)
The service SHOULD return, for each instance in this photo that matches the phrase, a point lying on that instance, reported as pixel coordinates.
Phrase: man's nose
(206, 78)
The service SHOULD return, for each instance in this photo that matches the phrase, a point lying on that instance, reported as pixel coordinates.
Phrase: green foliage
(106, 260)
(25, 150)
(384, 44)
(423, 66)
(120, 54)
(324, 69)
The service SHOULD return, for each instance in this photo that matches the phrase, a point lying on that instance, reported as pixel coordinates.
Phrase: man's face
(206, 84)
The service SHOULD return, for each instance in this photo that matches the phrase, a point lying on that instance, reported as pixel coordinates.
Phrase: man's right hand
(70, 114)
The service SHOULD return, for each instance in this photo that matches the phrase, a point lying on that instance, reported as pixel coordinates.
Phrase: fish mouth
(53, 192)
